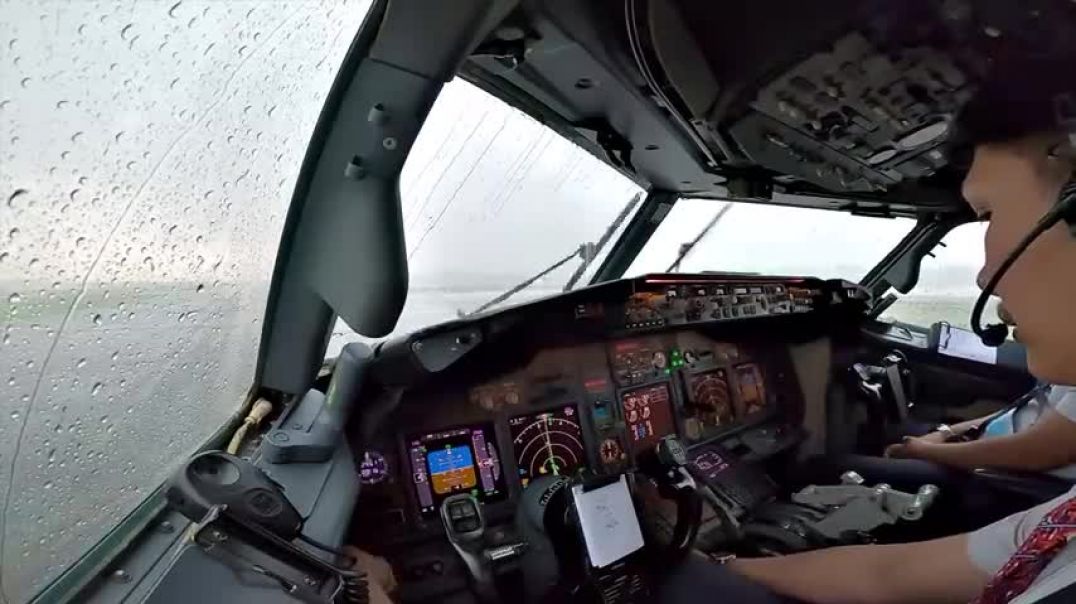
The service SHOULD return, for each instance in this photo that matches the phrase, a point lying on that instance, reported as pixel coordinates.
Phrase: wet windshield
(495, 203)
(148, 151)
(707, 235)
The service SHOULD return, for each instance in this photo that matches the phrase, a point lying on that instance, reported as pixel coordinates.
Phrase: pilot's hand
(910, 448)
(379, 574)
(935, 437)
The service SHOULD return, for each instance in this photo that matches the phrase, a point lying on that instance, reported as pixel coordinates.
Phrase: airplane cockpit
(572, 448)
(693, 384)
(579, 446)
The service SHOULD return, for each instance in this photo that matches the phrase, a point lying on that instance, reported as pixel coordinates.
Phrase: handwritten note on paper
(607, 517)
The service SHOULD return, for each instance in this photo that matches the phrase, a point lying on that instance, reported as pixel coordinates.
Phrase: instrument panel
(589, 407)
(585, 382)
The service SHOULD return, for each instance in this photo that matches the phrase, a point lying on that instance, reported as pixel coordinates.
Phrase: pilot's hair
(1023, 95)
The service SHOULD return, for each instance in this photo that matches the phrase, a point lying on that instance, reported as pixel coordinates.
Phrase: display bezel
(632, 446)
(489, 432)
(584, 448)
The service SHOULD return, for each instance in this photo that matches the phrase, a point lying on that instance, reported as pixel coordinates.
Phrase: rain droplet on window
(96, 389)
(96, 319)
(25, 83)
(126, 30)
(14, 298)
(13, 233)
(172, 11)
(200, 288)
(17, 197)
(81, 363)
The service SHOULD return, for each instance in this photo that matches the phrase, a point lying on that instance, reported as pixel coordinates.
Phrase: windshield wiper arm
(686, 248)
(587, 251)
(581, 251)
(592, 252)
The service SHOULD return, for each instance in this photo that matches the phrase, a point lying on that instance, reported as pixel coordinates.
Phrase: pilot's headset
(1024, 96)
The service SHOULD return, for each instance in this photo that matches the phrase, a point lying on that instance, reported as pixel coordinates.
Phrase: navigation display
(751, 388)
(549, 443)
(453, 461)
(648, 415)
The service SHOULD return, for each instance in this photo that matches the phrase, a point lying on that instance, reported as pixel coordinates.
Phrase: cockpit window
(706, 235)
(492, 199)
(946, 290)
(148, 152)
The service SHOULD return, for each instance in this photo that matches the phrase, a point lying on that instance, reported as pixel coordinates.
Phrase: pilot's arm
(1048, 444)
(953, 569)
(929, 571)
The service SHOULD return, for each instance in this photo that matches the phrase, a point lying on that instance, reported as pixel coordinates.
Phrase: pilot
(1021, 127)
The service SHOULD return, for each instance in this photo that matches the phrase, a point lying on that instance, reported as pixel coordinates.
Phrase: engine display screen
(648, 415)
(709, 403)
(751, 389)
(458, 460)
(549, 443)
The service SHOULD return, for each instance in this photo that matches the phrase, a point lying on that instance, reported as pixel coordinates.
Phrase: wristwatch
(946, 431)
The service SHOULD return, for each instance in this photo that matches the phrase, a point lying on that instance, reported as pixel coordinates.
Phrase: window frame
(898, 269)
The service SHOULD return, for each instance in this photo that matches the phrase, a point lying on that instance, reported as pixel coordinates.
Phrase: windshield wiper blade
(581, 251)
(593, 251)
(587, 251)
(686, 248)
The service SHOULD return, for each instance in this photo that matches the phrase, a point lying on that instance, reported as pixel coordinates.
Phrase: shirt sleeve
(991, 546)
(1063, 400)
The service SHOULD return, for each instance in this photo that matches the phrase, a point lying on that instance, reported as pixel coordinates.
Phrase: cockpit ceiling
(852, 99)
